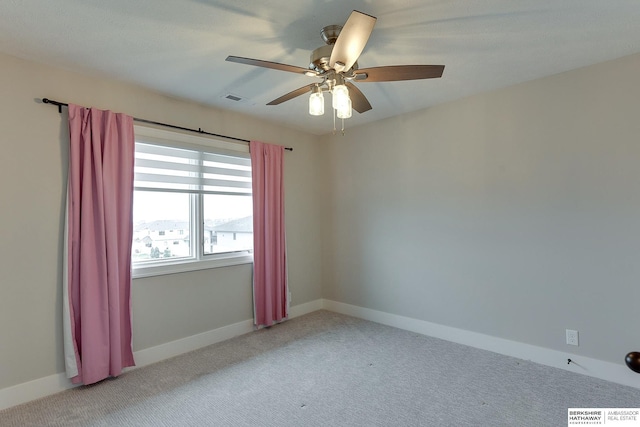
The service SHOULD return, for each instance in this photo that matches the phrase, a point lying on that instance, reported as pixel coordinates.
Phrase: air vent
(234, 97)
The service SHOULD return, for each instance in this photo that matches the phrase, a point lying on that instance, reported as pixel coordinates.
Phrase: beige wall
(514, 213)
(32, 187)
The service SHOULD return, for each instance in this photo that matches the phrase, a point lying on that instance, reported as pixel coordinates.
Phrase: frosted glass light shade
(316, 104)
(340, 96)
(344, 110)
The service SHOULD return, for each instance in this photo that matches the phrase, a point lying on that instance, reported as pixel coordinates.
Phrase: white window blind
(170, 169)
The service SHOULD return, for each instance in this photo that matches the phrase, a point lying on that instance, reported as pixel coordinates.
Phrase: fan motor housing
(319, 59)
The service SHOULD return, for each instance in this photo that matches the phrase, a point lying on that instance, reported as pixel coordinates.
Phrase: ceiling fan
(336, 64)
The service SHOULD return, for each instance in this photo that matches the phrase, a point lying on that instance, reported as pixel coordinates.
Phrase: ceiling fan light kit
(340, 100)
(336, 64)
(339, 93)
(316, 101)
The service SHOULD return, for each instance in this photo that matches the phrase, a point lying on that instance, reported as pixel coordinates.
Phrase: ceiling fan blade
(352, 40)
(358, 100)
(292, 94)
(268, 64)
(394, 73)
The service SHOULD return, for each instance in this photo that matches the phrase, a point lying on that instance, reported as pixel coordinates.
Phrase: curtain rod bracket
(59, 104)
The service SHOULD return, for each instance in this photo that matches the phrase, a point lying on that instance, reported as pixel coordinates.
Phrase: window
(192, 206)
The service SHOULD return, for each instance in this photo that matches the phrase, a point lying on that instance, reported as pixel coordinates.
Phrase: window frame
(198, 260)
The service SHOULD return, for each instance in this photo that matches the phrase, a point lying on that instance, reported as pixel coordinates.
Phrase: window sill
(189, 265)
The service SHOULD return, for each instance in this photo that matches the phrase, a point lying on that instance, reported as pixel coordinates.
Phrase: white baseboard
(41, 387)
(306, 308)
(155, 354)
(617, 373)
(33, 390)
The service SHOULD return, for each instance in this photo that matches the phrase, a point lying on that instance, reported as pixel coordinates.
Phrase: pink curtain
(269, 249)
(99, 233)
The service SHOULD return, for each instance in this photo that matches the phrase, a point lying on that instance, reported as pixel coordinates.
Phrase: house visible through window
(192, 203)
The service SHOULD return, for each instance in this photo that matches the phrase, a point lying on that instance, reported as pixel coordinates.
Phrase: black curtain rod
(200, 131)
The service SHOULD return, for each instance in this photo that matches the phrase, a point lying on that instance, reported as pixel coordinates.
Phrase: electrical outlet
(572, 337)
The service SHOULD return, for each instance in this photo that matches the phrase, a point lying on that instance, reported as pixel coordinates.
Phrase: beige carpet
(326, 369)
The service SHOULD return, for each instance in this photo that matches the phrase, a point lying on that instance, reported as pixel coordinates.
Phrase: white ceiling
(179, 47)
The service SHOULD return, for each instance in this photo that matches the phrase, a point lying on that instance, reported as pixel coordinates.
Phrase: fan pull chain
(334, 121)
(335, 112)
